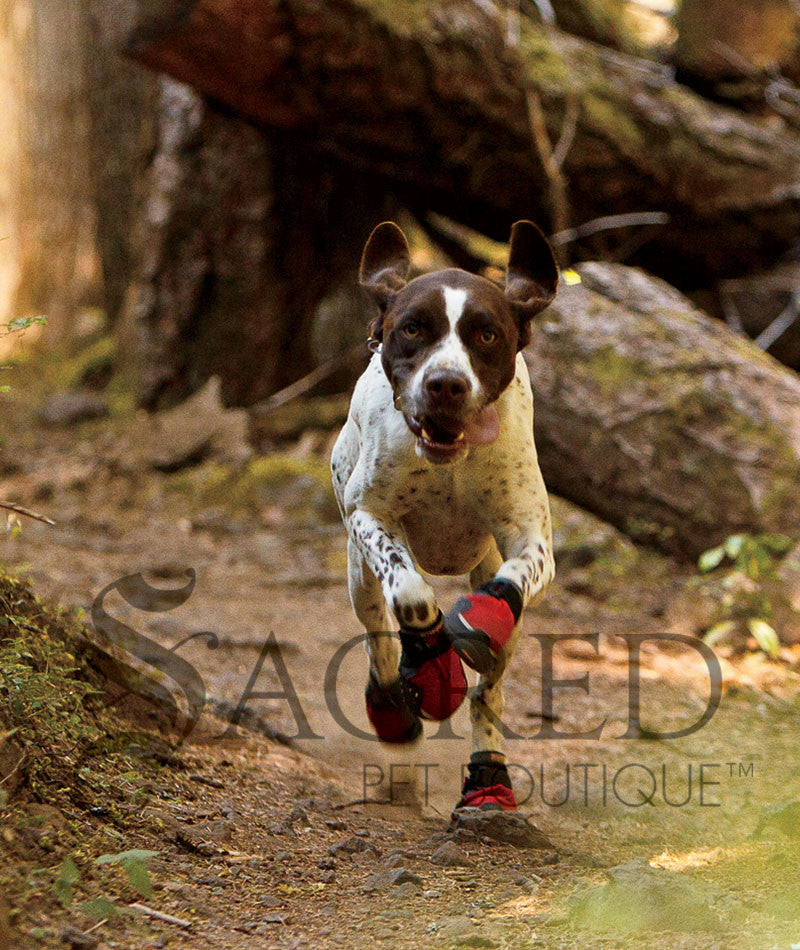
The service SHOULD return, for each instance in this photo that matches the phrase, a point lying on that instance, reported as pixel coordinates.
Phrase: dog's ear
(532, 275)
(385, 263)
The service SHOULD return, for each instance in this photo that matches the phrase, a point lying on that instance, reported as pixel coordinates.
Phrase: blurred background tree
(198, 178)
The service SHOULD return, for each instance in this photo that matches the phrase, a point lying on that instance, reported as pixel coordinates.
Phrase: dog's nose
(443, 384)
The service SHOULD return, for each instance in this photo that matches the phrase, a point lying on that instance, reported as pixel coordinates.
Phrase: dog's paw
(413, 602)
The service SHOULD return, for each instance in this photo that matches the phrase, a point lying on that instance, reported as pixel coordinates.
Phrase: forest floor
(267, 840)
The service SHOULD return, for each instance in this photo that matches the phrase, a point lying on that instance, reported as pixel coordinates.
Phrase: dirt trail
(247, 825)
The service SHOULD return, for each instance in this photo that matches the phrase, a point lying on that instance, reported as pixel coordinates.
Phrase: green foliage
(133, 864)
(100, 908)
(43, 688)
(749, 572)
(66, 879)
(23, 323)
(17, 325)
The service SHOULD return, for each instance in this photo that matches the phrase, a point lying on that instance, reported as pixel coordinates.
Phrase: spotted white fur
(486, 515)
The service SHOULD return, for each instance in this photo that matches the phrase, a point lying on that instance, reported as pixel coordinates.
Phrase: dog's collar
(374, 346)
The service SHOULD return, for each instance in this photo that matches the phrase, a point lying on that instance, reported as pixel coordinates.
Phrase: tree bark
(245, 236)
(658, 418)
(53, 219)
(122, 101)
(428, 96)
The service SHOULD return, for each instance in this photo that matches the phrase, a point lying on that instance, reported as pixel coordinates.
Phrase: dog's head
(450, 339)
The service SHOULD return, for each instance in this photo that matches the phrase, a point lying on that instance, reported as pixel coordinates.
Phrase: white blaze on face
(450, 352)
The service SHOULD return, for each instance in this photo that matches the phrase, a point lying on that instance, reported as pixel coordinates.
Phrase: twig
(568, 131)
(730, 311)
(18, 509)
(98, 924)
(559, 204)
(157, 915)
(546, 11)
(781, 323)
(609, 223)
(454, 238)
(363, 801)
(302, 385)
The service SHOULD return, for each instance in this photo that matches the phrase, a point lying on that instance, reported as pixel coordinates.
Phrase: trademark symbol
(740, 770)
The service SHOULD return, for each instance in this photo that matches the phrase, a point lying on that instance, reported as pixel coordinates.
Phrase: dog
(436, 470)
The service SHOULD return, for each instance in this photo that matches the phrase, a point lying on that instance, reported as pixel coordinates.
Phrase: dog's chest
(444, 519)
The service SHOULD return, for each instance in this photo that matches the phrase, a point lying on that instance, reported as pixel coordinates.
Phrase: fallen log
(659, 419)
(429, 98)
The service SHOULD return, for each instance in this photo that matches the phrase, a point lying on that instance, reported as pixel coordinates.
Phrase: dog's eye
(412, 330)
(487, 336)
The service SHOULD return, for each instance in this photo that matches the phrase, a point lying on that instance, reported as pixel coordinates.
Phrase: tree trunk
(427, 96)
(658, 418)
(9, 160)
(122, 102)
(245, 236)
(53, 227)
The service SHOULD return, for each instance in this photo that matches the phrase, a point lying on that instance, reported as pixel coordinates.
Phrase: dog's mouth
(443, 440)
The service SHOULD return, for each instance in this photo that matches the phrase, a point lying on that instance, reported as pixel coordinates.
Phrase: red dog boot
(487, 786)
(480, 625)
(432, 674)
(392, 719)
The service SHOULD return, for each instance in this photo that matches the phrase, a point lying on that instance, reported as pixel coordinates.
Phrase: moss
(409, 18)
(298, 486)
(544, 61)
(611, 370)
(46, 690)
(85, 363)
(610, 121)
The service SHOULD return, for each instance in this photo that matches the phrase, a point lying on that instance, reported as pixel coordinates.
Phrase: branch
(305, 383)
(780, 324)
(609, 223)
(18, 509)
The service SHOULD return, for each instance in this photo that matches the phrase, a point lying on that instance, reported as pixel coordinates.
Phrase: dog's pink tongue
(483, 428)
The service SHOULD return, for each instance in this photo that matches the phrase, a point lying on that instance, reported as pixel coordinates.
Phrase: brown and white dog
(435, 470)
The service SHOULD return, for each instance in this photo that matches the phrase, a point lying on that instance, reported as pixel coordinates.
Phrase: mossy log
(659, 419)
(428, 97)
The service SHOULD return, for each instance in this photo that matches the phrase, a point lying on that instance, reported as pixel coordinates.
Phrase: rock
(403, 891)
(530, 884)
(454, 926)
(269, 900)
(336, 824)
(78, 939)
(281, 828)
(449, 855)
(69, 408)
(507, 827)
(383, 880)
(352, 845)
(431, 895)
(477, 940)
(197, 429)
(641, 898)
(327, 864)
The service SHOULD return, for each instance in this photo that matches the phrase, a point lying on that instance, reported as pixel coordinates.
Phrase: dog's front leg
(407, 593)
